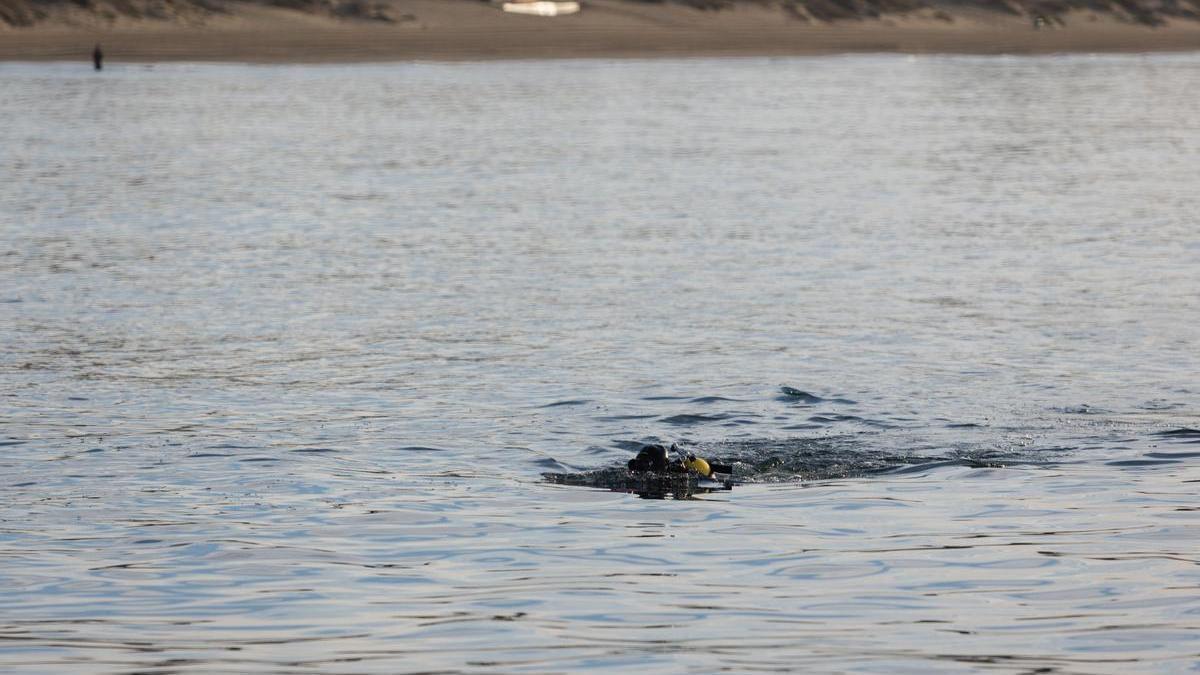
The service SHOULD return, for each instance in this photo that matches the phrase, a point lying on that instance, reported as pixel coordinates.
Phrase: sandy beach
(444, 30)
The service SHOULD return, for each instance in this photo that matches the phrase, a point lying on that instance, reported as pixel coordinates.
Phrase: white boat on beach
(541, 7)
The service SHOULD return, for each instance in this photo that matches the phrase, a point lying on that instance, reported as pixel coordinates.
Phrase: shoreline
(606, 29)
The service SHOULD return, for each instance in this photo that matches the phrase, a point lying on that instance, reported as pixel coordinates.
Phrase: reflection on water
(647, 485)
(285, 352)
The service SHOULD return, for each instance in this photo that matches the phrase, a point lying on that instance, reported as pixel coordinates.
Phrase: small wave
(1160, 404)
(833, 419)
(1083, 409)
(688, 420)
(549, 463)
(712, 399)
(794, 395)
(1181, 432)
(922, 467)
(1141, 462)
(557, 404)
(1173, 455)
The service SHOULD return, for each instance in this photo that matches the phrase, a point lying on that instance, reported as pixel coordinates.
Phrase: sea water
(285, 352)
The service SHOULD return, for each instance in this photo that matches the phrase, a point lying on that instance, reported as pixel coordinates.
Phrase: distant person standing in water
(98, 57)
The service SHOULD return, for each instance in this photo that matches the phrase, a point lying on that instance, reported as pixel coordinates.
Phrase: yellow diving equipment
(698, 465)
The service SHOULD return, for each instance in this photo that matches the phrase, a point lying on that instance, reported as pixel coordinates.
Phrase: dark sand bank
(467, 29)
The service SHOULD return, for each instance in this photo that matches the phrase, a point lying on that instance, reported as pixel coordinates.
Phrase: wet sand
(442, 30)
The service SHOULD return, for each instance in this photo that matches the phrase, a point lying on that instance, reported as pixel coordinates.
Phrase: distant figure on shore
(98, 57)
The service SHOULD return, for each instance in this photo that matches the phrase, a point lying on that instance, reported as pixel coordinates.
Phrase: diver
(656, 458)
(654, 474)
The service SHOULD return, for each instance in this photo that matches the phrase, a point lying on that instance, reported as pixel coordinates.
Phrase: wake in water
(879, 447)
(775, 461)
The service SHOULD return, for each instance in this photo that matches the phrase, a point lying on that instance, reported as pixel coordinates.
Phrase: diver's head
(653, 457)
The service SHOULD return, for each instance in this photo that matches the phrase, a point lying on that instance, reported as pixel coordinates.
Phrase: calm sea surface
(285, 351)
